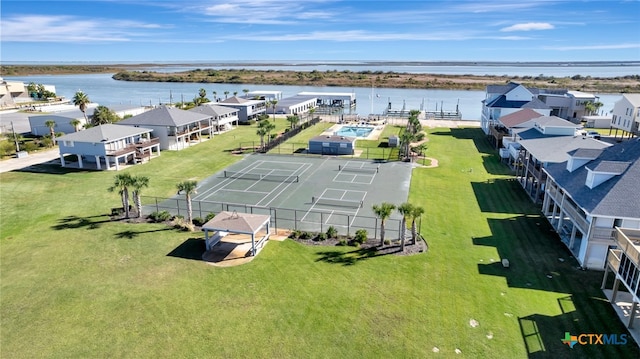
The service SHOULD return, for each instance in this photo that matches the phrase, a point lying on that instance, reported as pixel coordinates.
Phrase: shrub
(160, 216)
(305, 235)
(387, 242)
(361, 236)
(332, 232)
(198, 221)
(321, 237)
(295, 234)
(179, 223)
(209, 217)
(342, 242)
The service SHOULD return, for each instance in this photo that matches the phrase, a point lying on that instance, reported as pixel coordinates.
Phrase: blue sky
(319, 30)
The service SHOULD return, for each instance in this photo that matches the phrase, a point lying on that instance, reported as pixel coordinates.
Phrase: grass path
(76, 285)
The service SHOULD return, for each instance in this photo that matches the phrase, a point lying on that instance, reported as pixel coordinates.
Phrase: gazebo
(244, 225)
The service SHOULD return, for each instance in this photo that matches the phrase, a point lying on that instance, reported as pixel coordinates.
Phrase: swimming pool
(353, 131)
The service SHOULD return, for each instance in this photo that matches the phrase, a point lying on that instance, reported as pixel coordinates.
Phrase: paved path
(33, 158)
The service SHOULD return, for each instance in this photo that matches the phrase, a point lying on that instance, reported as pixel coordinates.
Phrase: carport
(242, 226)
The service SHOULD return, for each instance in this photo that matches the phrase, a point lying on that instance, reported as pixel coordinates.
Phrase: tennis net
(369, 170)
(261, 177)
(336, 202)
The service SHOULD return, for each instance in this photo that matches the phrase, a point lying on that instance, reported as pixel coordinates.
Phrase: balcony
(613, 259)
(133, 147)
(603, 234)
(576, 217)
(628, 241)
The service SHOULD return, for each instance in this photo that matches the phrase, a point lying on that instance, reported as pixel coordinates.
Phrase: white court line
(332, 212)
(287, 185)
(211, 191)
(241, 191)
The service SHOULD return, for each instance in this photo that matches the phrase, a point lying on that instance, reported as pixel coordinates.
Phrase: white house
(247, 109)
(626, 114)
(592, 193)
(108, 147)
(501, 100)
(176, 129)
(295, 105)
(62, 119)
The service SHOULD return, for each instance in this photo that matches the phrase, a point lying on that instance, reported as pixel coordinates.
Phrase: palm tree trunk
(138, 200)
(403, 231)
(126, 204)
(189, 210)
(414, 233)
(381, 233)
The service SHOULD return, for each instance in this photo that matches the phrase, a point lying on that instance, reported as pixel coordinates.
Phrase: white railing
(577, 219)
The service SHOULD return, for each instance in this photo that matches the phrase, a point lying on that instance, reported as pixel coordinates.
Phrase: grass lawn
(75, 284)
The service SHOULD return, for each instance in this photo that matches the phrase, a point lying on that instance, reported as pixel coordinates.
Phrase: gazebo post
(253, 244)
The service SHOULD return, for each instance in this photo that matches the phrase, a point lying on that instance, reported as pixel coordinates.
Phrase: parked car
(592, 134)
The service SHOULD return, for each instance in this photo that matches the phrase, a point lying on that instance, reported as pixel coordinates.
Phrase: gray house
(223, 117)
(108, 147)
(332, 145)
(176, 129)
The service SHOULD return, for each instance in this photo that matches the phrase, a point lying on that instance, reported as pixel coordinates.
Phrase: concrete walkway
(33, 158)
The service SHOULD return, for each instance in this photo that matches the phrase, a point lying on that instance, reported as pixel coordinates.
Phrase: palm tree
(81, 100)
(121, 183)
(51, 124)
(235, 93)
(188, 188)
(138, 183)
(383, 211)
(416, 213)
(75, 123)
(264, 129)
(215, 96)
(246, 91)
(202, 93)
(293, 121)
(405, 142)
(226, 93)
(311, 112)
(405, 210)
(273, 103)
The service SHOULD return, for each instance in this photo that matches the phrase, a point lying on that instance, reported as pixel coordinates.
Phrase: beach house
(176, 129)
(295, 105)
(107, 147)
(590, 194)
(626, 115)
(223, 117)
(501, 100)
(247, 109)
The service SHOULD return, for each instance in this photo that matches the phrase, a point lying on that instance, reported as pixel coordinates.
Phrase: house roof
(294, 100)
(72, 113)
(165, 116)
(616, 167)
(235, 222)
(502, 88)
(239, 100)
(333, 138)
(550, 121)
(502, 102)
(588, 153)
(104, 133)
(555, 149)
(617, 197)
(633, 98)
(213, 110)
(516, 118)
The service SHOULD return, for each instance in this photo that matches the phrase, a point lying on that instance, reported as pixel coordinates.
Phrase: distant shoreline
(335, 78)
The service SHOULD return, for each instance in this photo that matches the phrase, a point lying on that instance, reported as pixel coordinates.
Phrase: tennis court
(304, 193)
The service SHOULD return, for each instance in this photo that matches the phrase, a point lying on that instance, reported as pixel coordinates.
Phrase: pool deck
(374, 135)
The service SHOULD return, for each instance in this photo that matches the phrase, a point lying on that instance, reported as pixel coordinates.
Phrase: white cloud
(51, 28)
(528, 26)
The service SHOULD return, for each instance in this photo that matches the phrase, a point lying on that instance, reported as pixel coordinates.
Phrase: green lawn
(76, 285)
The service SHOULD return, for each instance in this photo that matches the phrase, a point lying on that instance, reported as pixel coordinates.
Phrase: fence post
(275, 219)
(321, 221)
(178, 205)
(375, 229)
(157, 208)
(348, 225)
(295, 219)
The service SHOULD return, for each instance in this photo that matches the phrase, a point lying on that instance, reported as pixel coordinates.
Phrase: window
(617, 222)
(68, 143)
(343, 145)
(325, 144)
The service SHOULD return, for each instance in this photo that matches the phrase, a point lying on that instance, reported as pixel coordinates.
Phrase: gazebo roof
(235, 222)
